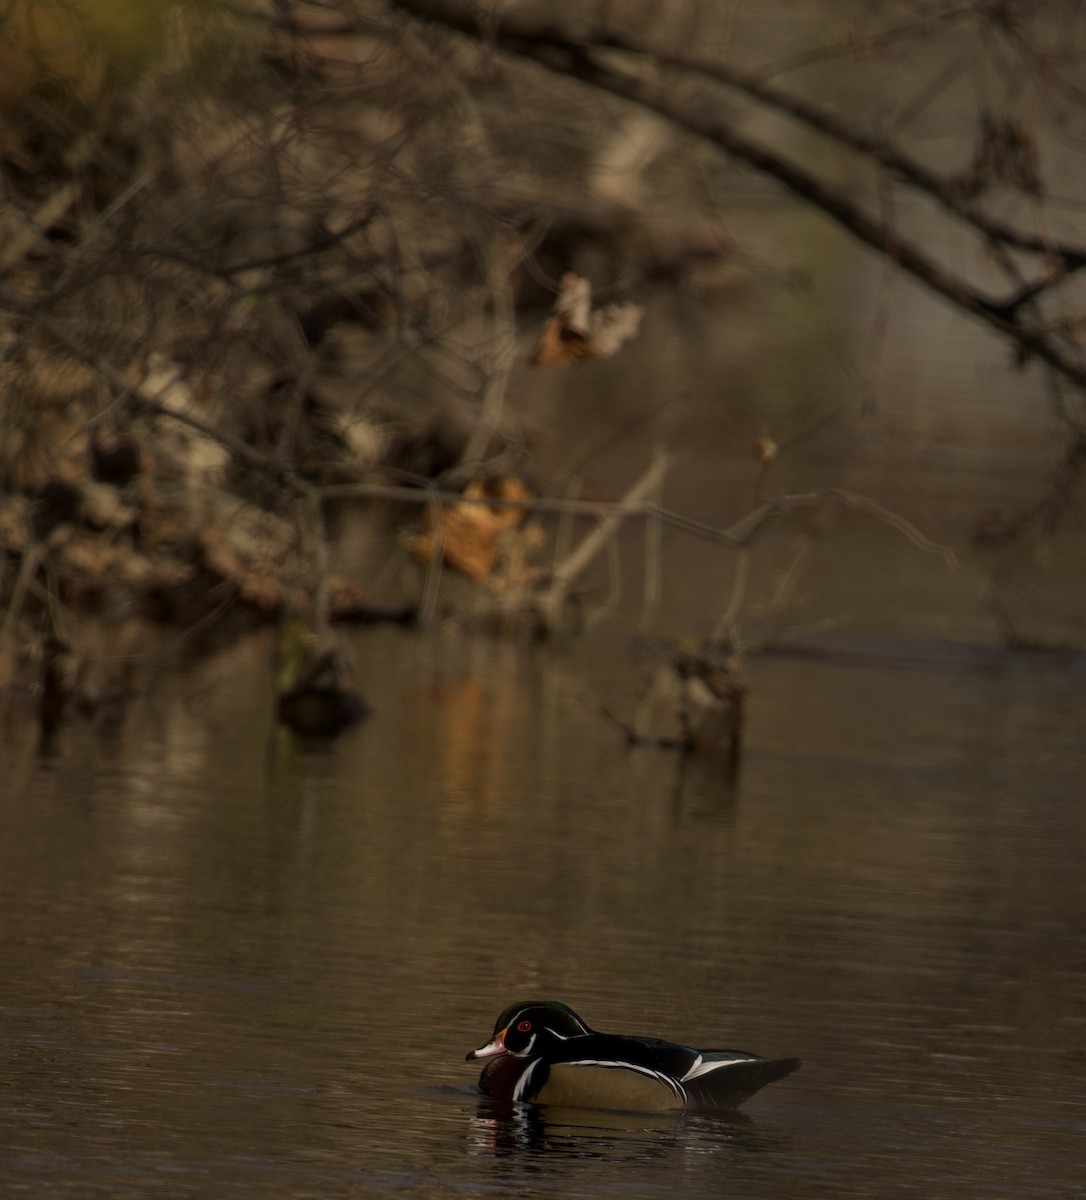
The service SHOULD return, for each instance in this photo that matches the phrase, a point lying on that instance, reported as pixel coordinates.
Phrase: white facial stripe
(562, 1037)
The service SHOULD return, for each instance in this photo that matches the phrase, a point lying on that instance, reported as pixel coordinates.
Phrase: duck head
(525, 1028)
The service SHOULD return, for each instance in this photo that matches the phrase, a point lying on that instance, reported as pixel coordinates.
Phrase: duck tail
(732, 1083)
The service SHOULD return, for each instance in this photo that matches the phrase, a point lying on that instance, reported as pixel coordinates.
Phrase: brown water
(239, 967)
(236, 966)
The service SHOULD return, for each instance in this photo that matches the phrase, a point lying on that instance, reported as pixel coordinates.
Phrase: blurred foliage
(80, 43)
(311, 230)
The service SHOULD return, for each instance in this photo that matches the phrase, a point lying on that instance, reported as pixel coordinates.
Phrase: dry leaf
(575, 331)
(613, 326)
(468, 532)
(559, 345)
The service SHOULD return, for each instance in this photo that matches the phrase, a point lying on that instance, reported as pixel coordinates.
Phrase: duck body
(542, 1052)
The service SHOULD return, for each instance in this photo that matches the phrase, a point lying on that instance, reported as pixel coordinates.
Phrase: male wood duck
(541, 1051)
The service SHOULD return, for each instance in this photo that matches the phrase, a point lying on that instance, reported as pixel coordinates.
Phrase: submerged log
(315, 695)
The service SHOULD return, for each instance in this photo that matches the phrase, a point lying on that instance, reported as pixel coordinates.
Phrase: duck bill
(497, 1046)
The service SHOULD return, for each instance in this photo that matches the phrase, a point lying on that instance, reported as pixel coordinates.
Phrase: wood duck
(542, 1052)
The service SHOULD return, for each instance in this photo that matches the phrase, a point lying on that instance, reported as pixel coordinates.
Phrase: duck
(542, 1052)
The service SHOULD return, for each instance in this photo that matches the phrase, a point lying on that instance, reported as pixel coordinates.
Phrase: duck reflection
(503, 1129)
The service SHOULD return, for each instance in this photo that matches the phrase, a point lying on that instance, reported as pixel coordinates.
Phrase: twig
(872, 507)
(575, 563)
(20, 243)
(504, 335)
(651, 598)
(563, 537)
(789, 577)
(726, 631)
(614, 591)
(633, 738)
(32, 559)
(634, 504)
(432, 586)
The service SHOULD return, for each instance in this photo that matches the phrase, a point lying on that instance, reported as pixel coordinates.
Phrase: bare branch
(584, 61)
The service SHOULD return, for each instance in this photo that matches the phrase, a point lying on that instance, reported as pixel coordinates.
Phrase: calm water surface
(235, 966)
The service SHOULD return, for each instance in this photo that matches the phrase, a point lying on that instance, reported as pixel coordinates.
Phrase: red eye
(524, 1026)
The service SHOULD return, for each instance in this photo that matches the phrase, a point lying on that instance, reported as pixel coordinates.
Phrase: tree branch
(581, 60)
(943, 189)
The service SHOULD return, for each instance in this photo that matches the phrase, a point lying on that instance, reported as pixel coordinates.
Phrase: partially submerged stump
(693, 703)
(316, 696)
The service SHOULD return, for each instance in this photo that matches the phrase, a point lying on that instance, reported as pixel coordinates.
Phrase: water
(240, 967)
